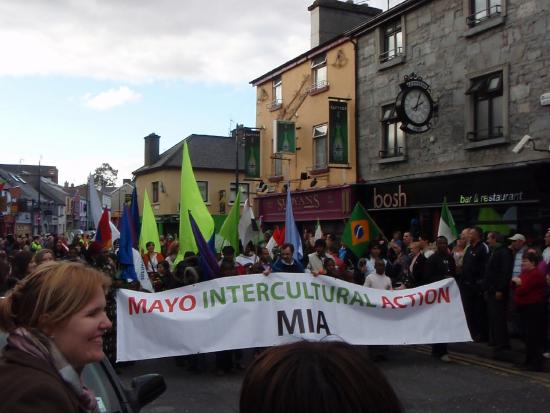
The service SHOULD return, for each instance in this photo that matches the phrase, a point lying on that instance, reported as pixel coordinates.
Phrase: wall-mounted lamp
(162, 189)
(304, 176)
(313, 182)
(285, 188)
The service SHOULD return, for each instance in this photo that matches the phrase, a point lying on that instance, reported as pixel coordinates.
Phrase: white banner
(259, 311)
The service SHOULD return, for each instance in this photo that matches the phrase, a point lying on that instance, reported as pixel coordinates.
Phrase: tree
(105, 175)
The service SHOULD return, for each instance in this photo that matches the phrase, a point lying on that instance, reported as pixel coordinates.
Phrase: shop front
(505, 199)
(331, 206)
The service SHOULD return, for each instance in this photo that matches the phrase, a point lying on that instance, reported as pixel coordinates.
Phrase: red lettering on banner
(431, 296)
(386, 303)
(156, 306)
(187, 298)
(135, 308)
(444, 294)
(172, 304)
(397, 303)
(411, 296)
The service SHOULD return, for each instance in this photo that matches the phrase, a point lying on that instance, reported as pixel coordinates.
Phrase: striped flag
(447, 226)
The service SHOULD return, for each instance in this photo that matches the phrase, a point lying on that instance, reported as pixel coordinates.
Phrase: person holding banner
(287, 379)
(56, 319)
(286, 263)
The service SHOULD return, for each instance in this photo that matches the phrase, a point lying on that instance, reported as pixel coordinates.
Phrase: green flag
(360, 230)
(149, 230)
(447, 227)
(191, 200)
(230, 228)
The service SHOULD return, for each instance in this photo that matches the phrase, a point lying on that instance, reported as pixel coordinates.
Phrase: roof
(53, 191)
(206, 152)
(32, 170)
(28, 192)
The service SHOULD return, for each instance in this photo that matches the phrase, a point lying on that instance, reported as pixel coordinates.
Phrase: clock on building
(414, 105)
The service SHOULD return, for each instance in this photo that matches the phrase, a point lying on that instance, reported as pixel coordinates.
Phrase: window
(319, 73)
(393, 139)
(244, 192)
(203, 188)
(393, 42)
(277, 93)
(487, 100)
(155, 191)
(482, 10)
(320, 146)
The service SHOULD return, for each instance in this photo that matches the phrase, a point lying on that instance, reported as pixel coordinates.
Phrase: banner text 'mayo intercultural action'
(259, 311)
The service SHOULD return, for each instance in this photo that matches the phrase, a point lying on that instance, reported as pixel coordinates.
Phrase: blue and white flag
(129, 258)
(292, 234)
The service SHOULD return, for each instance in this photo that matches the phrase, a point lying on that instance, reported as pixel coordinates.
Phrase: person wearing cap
(518, 247)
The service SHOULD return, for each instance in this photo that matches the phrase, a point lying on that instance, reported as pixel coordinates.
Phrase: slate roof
(206, 152)
(53, 191)
(13, 179)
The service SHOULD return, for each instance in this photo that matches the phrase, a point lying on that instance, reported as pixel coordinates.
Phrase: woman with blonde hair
(56, 319)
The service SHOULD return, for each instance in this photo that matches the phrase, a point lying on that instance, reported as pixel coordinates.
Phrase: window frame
(490, 11)
(155, 189)
(233, 194)
(319, 65)
(395, 33)
(315, 138)
(205, 194)
(481, 91)
(277, 91)
(473, 142)
(389, 120)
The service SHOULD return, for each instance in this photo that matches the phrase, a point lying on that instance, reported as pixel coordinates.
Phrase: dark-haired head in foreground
(316, 377)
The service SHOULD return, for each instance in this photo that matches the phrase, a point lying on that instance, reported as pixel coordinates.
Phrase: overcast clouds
(229, 41)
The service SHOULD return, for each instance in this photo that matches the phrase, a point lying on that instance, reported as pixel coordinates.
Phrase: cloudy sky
(83, 81)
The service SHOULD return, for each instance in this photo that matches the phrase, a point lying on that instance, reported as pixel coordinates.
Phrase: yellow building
(214, 165)
(305, 112)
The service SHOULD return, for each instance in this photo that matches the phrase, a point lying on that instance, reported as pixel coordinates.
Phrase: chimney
(151, 149)
(126, 181)
(329, 18)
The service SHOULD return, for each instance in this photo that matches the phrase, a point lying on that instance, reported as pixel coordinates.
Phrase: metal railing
(323, 84)
(482, 15)
(275, 104)
(391, 54)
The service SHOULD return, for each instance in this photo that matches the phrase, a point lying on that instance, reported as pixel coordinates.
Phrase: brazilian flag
(360, 230)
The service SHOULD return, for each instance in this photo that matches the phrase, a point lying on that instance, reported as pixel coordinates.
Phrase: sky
(82, 82)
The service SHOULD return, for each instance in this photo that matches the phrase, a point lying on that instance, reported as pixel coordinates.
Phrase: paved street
(424, 384)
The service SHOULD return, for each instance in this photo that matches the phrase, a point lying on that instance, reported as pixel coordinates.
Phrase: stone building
(487, 63)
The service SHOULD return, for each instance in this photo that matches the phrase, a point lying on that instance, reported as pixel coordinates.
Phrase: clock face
(417, 106)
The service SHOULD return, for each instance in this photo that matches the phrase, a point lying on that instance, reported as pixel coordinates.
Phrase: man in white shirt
(315, 264)
(378, 279)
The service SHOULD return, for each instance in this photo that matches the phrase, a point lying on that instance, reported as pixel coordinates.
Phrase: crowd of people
(504, 282)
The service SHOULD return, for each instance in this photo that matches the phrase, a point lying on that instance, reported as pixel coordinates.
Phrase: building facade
(486, 63)
(305, 115)
(214, 161)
